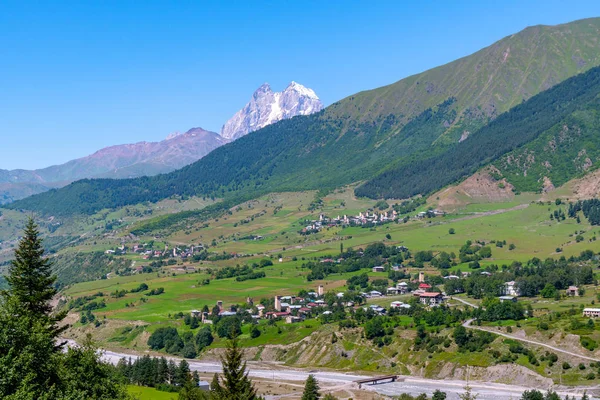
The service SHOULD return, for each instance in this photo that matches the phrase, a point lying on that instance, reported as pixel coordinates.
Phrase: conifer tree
(32, 366)
(235, 384)
(30, 274)
(311, 389)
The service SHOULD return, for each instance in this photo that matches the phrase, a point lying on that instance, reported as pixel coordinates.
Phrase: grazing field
(147, 393)
(184, 292)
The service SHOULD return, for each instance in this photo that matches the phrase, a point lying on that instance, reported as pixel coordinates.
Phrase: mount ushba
(267, 107)
(176, 151)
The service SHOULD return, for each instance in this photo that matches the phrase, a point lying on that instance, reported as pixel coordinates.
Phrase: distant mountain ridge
(371, 134)
(266, 107)
(153, 158)
(120, 161)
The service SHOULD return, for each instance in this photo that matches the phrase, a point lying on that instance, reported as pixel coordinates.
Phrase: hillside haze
(367, 134)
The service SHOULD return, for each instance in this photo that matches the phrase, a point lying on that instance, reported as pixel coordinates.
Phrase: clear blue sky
(76, 76)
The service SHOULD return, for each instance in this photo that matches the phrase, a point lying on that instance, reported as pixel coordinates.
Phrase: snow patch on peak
(267, 107)
(173, 135)
(303, 90)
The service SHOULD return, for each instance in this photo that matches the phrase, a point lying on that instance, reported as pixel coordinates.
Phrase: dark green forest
(506, 133)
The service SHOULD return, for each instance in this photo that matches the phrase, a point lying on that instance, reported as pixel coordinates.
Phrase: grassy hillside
(363, 135)
(488, 82)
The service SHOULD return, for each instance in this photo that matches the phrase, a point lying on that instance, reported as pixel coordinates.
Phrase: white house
(399, 304)
(510, 289)
(392, 291)
(591, 312)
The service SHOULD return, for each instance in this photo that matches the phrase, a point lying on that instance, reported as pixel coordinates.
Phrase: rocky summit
(267, 107)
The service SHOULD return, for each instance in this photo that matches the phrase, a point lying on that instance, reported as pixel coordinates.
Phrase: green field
(147, 393)
(526, 225)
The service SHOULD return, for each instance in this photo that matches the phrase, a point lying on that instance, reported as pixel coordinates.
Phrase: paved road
(406, 384)
(468, 323)
(464, 302)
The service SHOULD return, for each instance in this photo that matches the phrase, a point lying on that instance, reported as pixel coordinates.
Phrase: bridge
(376, 380)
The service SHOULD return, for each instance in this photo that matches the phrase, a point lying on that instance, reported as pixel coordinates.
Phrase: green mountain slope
(488, 82)
(360, 137)
(570, 149)
(524, 129)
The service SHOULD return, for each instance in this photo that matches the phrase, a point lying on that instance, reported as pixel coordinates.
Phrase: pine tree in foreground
(32, 366)
(311, 389)
(235, 384)
(31, 281)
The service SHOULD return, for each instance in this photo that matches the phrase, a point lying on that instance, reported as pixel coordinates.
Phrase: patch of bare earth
(587, 187)
(479, 187)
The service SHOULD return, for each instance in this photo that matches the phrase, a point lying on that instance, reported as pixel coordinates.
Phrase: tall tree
(32, 366)
(30, 274)
(311, 389)
(235, 384)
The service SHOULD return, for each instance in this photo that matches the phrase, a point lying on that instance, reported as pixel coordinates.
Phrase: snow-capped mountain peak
(267, 107)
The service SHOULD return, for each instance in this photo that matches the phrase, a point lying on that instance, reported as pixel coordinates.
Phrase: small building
(507, 298)
(431, 298)
(379, 268)
(402, 287)
(510, 289)
(399, 304)
(392, 291)
(378, 309)
(290, 319)
(320, 290)
(227, 313)
(451, 277)
(374, 293)
(591, 312)
(204, 386)
(424, 286)
(572, 291)
(196, 313)
(273, 315)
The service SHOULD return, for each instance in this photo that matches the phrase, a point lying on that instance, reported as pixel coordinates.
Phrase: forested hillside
(396, 126)
(569, 149)
(543, 115)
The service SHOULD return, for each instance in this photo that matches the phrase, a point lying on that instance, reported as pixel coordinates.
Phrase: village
(294, 309)
(366, 219)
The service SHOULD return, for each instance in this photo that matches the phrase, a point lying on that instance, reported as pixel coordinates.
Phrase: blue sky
(77, 76)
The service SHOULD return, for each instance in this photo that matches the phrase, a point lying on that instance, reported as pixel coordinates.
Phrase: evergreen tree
(162, 371)
(438, 395)
(32, 366)
(86, 377)
(235, 385)
(311, 389)
(30, 274)
(468, 394)
(191, 392)
(183, 373)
